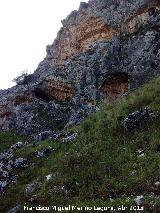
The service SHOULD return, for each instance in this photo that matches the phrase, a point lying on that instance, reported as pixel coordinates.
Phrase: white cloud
(26, 27)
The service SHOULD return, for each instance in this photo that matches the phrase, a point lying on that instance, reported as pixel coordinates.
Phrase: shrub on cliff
(24, 79)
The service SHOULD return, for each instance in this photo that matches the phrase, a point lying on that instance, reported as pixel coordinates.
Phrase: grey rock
(3, 185)
(30, 110)
(6, 155)
(44, 135)
(139, 200)
(30, 188)
(79, 112)
(57, 135)
(44, 152)
(18, 145)
(139, 119)
(51, 177)
(69, 137)
(4, 174)
(6, 177)
(16, 209)
(17, 163)
(157, 184)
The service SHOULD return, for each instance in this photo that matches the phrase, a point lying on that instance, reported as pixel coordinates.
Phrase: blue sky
(27, 26)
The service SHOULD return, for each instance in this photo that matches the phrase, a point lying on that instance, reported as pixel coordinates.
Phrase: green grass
(102, 159)
(7, 139)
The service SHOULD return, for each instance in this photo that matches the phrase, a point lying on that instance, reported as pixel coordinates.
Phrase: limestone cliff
(101, 38)
(103, 51)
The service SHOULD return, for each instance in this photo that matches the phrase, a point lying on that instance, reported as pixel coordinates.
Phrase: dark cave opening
(115, 86)
(42, 95)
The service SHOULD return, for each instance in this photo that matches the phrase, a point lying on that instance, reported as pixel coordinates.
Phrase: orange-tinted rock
(5, 111)
(77, 38)
(23, 98)
(55, 90)
(141, 16)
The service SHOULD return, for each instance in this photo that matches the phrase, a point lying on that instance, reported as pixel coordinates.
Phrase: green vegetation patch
(104, 165)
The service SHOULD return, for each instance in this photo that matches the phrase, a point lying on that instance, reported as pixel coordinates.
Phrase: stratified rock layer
(75, 39)
(55, 90)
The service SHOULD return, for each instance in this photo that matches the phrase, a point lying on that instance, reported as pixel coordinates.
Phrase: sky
(26, 28)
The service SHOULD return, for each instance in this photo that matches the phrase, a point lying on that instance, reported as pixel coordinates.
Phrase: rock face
(55, 90)
(75, 38)
(104, 38)
(103, 51)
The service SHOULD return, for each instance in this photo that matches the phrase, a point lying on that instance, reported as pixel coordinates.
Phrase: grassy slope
(99, 162)
(8, 139)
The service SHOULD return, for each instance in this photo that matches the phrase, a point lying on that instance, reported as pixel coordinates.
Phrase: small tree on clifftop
(23, 79)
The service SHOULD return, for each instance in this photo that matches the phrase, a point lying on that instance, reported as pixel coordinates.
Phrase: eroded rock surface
(103, 51)
(75, 38)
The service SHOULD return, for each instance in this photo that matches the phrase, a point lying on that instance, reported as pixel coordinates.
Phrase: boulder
(43, 152)
(69, 137)
(139, 119)
(18, 145)
(44, 135)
